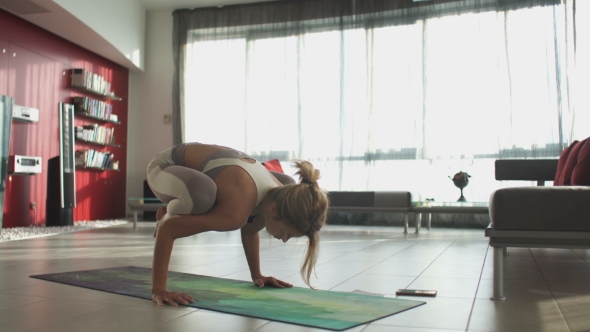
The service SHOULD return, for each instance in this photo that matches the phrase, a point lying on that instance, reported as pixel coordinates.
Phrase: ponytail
(305, 207)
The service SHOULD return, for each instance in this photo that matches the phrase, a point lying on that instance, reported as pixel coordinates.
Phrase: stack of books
(84, 78)
(94, 159)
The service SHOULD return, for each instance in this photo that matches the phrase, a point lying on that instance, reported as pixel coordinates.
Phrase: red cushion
(568, 168)
(561, 164)
(273, 165)
(581, 173)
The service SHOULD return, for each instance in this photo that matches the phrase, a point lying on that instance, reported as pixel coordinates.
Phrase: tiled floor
(546, 289)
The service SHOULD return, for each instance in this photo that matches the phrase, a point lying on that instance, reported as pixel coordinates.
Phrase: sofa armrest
(539, 170)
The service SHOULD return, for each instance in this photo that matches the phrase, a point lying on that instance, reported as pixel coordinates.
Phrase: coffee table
(425, 209)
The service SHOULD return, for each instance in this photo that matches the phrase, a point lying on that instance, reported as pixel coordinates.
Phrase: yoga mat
(296, 305)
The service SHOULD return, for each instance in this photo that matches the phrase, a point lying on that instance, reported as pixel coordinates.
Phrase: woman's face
(280, 230)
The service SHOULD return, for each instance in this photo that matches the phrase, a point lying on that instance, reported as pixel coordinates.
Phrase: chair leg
(505, 251)
(498, 274)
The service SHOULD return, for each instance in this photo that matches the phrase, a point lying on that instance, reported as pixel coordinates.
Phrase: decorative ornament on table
(461, 180)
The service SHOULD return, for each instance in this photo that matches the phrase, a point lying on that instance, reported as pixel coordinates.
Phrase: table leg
(429, 218)
(134, 219)
(418, 222)
(406, 223)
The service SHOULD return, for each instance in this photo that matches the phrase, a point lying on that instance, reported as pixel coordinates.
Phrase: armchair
(539, 216)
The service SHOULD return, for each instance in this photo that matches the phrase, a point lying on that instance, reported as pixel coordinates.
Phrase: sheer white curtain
(388, 106)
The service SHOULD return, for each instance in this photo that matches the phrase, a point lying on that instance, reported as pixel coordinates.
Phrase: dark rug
(301, 306)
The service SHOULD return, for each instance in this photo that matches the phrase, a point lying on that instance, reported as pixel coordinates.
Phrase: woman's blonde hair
(305, 207)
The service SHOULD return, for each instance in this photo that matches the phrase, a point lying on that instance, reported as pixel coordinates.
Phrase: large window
(388, 106)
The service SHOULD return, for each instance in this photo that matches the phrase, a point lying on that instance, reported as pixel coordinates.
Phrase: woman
(215, 188)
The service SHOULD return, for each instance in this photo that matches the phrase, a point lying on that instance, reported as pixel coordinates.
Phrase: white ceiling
(153, 5)
(50, 16)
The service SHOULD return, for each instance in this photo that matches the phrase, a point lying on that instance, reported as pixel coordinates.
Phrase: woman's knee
(203, 195)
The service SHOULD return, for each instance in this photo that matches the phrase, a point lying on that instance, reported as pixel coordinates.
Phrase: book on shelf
(93, 107)
(94, 159)
(96, 133)
(92, 81)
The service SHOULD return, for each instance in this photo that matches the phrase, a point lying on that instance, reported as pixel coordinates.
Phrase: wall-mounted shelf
(96, 93)
(90, 159)
(98, 143)
(100, 169)
(86, 115)
(99, 110)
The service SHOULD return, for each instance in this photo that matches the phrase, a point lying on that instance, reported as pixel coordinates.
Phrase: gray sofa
(535, 216)
(373, 202)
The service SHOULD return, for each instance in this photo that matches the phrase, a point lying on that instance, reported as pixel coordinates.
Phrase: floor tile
(119, 318)
(385, 328)
(436, 313)
(43, 313)
(567, 291)
(515, 272)
(47, 290)
(320, 280)
(399, 269)
(553, 252)
(11, 301)
(517, 289)
(205, 320)
(372, 283)
(453, 270)
(545, 289)
(447, 287)
(566, 274)
(283, 327)
(576, 314)
(517, 316)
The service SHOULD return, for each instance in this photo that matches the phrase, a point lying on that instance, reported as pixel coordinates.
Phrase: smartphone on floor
(416, 292)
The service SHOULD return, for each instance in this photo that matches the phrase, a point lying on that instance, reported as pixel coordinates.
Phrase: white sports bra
(262, 178)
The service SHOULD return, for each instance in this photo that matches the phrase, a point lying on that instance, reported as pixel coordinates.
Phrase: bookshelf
(87, 115)
(95, 92)
(94, 105)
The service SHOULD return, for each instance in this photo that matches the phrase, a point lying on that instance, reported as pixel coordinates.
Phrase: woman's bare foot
(159, 216)
(161, 212)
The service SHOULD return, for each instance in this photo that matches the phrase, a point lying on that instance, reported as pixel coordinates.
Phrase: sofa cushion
(561, 164)
(573, 168)
(541, 208)
(581, 173)
(273, 165)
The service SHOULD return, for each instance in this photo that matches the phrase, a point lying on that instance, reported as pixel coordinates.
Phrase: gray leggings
(186, 190)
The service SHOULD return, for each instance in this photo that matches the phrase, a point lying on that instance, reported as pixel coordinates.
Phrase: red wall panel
(38, 76)
(4, 48)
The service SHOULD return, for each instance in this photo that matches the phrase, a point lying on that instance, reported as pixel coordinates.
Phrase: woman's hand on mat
(261, 281)
(172, 298)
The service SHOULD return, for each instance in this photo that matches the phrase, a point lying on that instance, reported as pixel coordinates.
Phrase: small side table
(139, 204)
(422, 209)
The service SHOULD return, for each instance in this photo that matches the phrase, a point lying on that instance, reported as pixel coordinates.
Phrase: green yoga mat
(296, 305)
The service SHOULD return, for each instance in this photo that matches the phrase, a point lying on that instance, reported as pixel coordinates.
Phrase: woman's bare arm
(230, 213)
(251, 244)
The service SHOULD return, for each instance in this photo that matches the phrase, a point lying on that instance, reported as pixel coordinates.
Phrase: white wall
(150, 98)
(120, 22)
